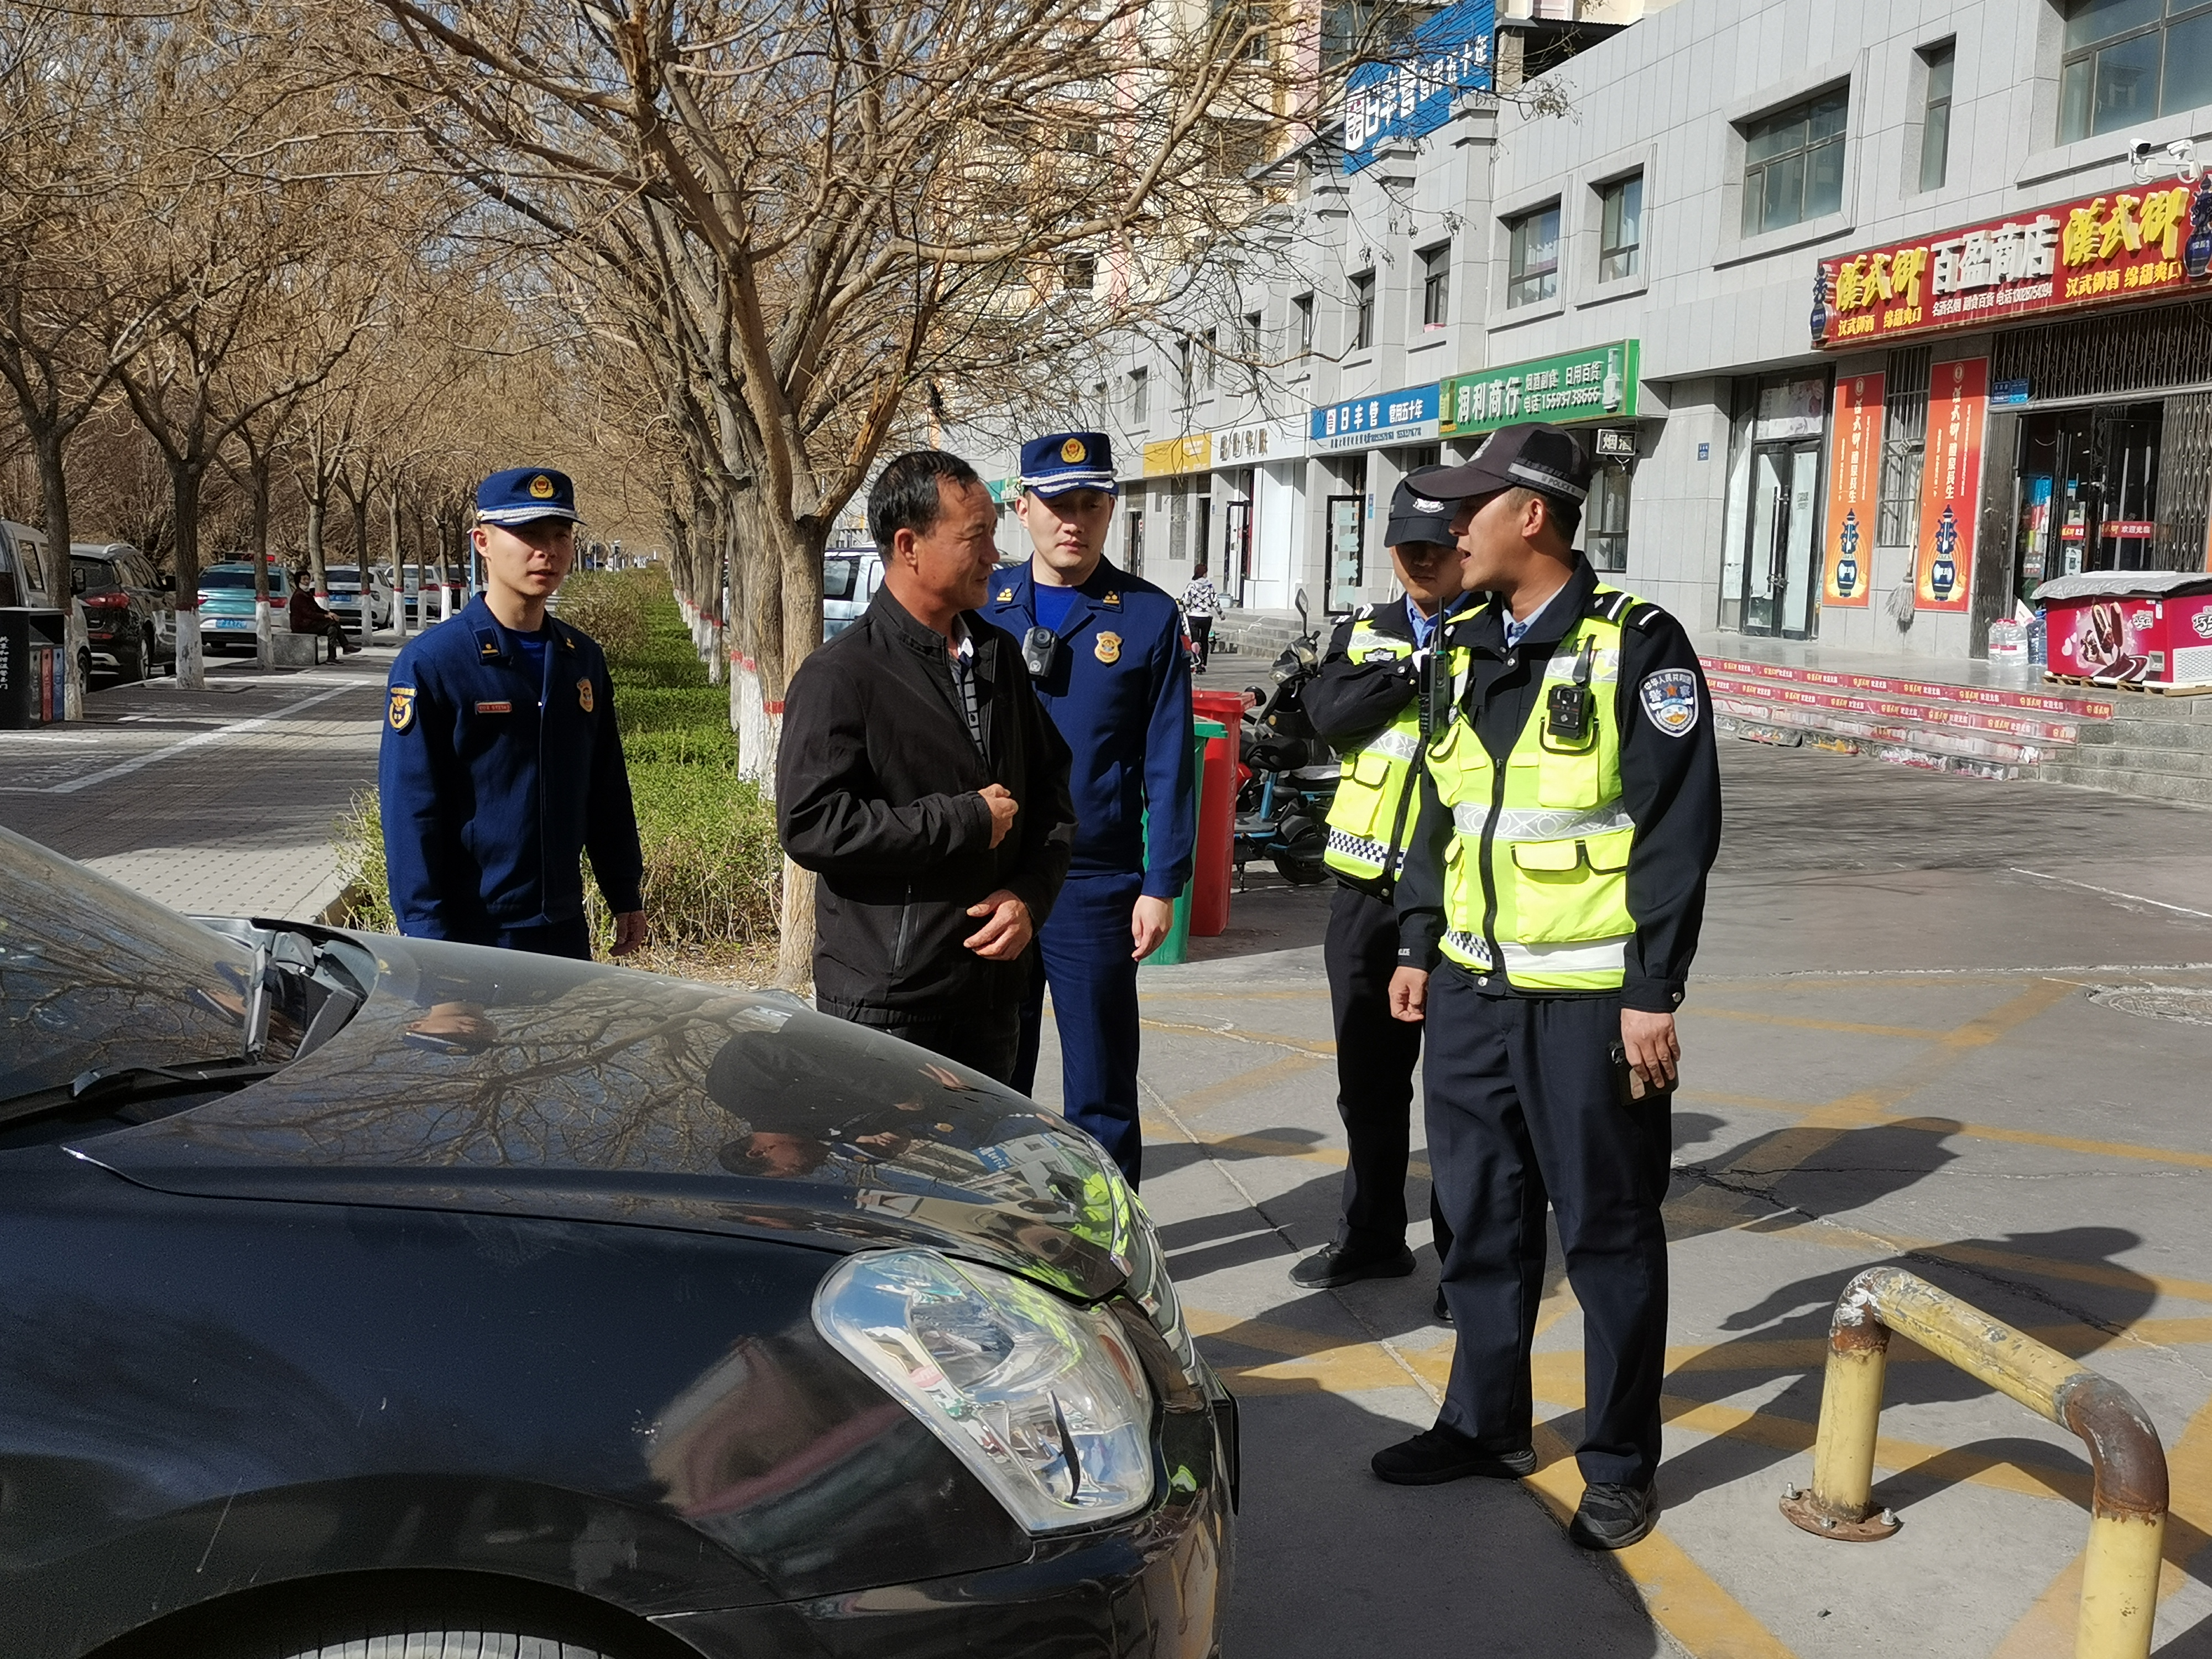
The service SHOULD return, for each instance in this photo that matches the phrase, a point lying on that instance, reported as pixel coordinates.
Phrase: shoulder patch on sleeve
(1364, 613)
(1670, 701)
(400, 712)
(1644, 617)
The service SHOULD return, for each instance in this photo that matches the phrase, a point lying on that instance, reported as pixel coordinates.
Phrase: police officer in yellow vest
(1365, 702)
(1551, 905)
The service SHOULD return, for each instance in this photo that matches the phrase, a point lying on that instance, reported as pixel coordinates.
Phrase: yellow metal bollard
(2127, 1524)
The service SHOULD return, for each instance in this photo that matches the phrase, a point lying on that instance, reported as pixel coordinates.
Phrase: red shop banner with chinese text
(1951, 484)
(1854, 475)
(2122, 246)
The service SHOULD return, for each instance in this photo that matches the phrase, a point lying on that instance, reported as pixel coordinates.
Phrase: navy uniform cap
(522, 495)
(1418, 518)
(1061, 461)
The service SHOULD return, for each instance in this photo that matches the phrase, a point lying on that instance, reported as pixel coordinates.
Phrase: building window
(1080, 271)
(1436, 285)
(1533, 262)
(1140, 397)
(1301, 318)
(1793, 164)
(1362, 311)
(2125, 62)
(1182, 368)
(1619, 227)
(1936, 124)
(1903, 438)
(1605, 525)
(1209, 347)
(1248, 335)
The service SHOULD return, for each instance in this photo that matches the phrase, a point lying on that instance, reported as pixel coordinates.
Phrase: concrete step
(2007, 723)
(2124, 758)
(2146, 786)
(1930, 749)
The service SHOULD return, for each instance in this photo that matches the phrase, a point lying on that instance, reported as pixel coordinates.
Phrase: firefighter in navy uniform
(1549, 911)
(501, 764)
(1366, 703)
(1104, 652)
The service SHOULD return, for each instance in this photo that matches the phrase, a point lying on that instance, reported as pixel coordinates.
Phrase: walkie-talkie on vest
(1570, 705)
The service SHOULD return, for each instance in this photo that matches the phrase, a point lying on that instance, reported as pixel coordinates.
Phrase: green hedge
(714, 873)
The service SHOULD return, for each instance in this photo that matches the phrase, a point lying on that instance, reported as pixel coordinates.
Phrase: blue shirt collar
(1424, 627)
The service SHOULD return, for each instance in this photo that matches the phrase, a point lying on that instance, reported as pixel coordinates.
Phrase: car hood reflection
(495, 1082)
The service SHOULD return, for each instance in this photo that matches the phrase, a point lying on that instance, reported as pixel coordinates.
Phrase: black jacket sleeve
(1046, 823)
(1671, 785)
(1349, 701)
(1418, 897)
(830, 809)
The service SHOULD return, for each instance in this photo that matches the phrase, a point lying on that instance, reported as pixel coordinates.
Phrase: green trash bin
(1176, 947)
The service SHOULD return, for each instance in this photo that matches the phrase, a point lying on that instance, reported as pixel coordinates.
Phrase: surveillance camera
(2140, 151)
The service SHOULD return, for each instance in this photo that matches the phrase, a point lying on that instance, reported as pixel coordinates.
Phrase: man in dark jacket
(918, 778)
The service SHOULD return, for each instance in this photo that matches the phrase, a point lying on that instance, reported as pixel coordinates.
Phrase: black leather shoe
(1340, 1264)
(1437, 1454)
(1442, 1312)
(1614, 1517)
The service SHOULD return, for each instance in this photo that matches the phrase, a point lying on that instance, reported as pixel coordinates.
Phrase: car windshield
(99, 574)
(342, 573)
(222, 577)
(95, 977)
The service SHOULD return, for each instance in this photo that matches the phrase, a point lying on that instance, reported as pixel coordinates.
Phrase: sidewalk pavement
(1958, 1025)
(215, 802)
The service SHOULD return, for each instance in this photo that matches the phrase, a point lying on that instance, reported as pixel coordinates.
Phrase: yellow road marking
(1917, 1033)
(1231, 1088)
(1317, 992)
(1821, 1128)
(1681, 1594)
(1239, 1034)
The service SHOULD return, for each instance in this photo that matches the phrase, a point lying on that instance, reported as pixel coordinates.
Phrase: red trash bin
(1217, 813)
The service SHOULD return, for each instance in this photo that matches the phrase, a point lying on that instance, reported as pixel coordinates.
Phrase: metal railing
(2126, 1523)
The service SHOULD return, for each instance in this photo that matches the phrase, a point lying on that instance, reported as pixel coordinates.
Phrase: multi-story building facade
(1875, 317)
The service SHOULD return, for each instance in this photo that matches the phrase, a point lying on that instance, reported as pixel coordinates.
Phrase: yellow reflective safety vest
(1538, 860)
(1371, 822)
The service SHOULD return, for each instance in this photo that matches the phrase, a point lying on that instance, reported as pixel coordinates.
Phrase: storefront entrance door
(2088, 491)
(1345, 577)
(1237, 553)
(1779, 580)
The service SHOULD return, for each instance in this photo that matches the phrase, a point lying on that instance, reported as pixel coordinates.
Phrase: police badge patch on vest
(1670, 701)
(401, 714)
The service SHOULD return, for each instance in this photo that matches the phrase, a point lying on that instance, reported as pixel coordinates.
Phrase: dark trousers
(1374, 1059)
(1084, 955)
(984, 1041)
(1201, 638)
(1525, 1104)
(572, 938)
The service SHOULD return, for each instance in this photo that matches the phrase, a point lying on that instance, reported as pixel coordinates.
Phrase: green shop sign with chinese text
(1598, 383)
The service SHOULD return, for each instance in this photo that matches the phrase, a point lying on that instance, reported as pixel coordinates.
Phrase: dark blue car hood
(491, 1081)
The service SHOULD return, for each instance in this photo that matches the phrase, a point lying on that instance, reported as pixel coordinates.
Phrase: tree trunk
(263, 652)
(360, 504)
(185, 527)
(793, 607)
(53, 487)
(317, 582)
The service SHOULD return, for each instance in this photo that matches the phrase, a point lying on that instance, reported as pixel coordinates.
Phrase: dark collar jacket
(878, 791)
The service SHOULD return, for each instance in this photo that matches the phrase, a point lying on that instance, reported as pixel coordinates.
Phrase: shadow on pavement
(1333, 1562)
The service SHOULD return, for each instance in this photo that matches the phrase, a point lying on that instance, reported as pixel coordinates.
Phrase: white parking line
(2112, 892)
(123, 769)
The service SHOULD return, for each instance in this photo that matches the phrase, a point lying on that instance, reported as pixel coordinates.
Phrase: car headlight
(1151, 1287)
(1044, 1400)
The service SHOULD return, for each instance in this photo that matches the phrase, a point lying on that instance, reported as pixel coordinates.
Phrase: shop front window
(1605, 521)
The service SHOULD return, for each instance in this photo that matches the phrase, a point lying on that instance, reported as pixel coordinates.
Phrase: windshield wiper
(129, 1085)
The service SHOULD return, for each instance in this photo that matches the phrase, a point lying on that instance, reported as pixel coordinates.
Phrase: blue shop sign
(1405, 416)
(1448, 55)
